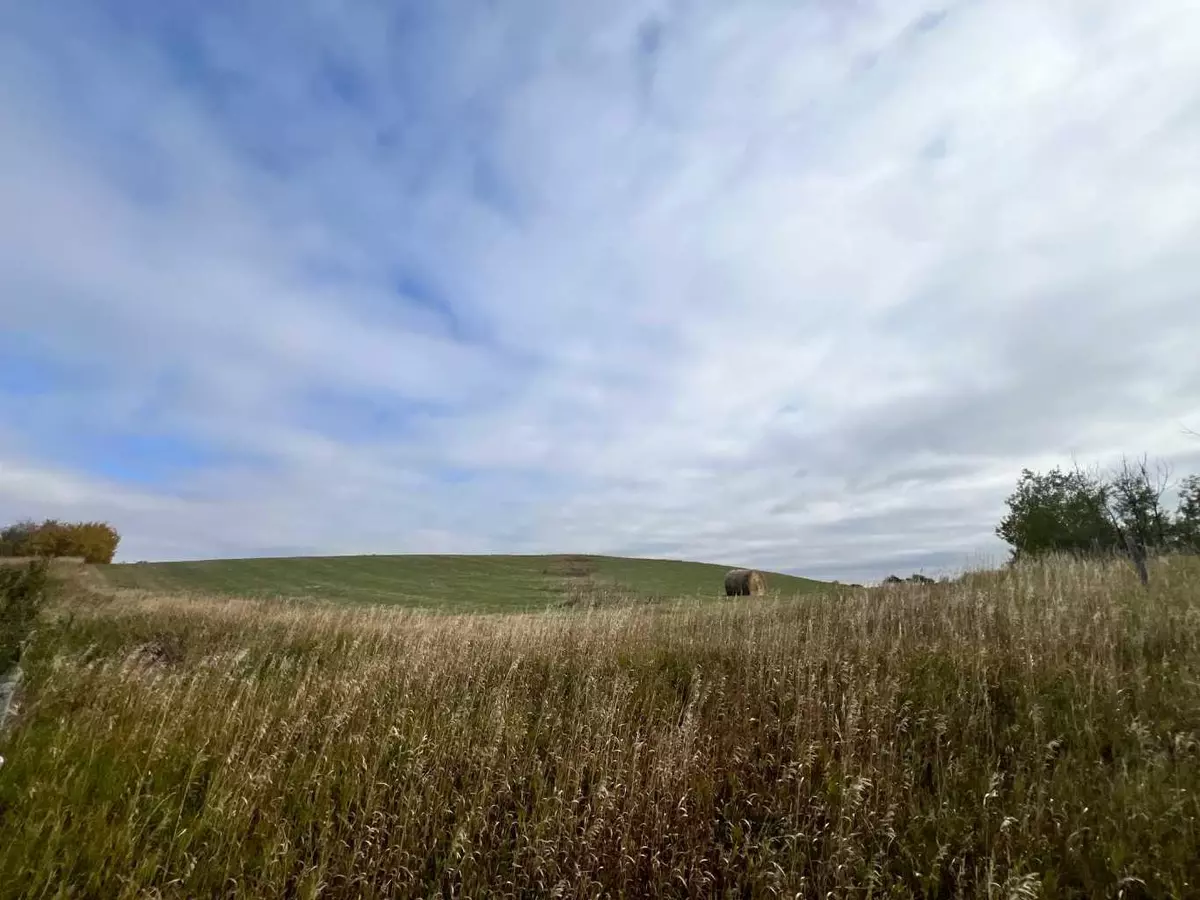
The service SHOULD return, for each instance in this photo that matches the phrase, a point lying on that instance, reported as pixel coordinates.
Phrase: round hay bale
(745, 583)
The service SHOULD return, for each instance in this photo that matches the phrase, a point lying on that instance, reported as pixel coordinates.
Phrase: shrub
(95, 542)
(22, 593)
(15, 538)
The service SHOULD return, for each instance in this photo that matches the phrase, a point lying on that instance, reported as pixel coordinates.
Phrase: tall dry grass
(1027, 734)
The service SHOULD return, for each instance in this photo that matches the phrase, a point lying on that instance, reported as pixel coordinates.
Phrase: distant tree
(14, 539)
(915, 578)
(49, 539)
(1059, 512)
(1187, 516)
(94, 542)
(1135, 496)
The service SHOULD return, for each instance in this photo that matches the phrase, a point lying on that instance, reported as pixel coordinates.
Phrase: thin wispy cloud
(794, 285)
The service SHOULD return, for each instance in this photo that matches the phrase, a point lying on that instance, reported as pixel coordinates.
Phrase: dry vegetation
(1018, 735)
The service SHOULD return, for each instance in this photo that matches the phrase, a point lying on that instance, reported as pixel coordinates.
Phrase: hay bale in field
(745, 583)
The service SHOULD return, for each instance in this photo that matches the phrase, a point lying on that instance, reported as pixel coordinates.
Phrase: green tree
(1187, 517)
(94, 542)
(1058, 512)
(1135, 497)
(14, 539)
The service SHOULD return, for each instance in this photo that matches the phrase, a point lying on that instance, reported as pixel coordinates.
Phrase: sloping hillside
(463, 582)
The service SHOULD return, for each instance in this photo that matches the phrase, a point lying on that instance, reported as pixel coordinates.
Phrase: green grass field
(460, 583)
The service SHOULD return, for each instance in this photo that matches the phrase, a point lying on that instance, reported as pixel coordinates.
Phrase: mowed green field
(488, 583)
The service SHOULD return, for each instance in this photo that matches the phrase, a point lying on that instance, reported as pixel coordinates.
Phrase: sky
(801, 286)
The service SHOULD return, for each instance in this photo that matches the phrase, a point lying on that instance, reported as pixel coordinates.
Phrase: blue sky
(797, 285)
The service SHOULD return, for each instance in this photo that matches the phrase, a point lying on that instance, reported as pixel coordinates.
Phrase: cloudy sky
(797, 285)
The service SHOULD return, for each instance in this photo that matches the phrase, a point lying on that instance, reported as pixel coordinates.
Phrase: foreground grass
(494, 583)
(1031, 734)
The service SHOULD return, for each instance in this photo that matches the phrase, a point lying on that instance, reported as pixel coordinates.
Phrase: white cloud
(798, 286)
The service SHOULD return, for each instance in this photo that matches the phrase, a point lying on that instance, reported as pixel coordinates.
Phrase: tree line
(94, 542)
(1092, 512)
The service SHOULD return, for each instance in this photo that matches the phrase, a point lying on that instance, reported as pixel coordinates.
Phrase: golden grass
(1021, 734)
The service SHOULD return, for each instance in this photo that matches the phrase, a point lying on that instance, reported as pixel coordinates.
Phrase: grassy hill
(1031, 732)
(491, 583)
